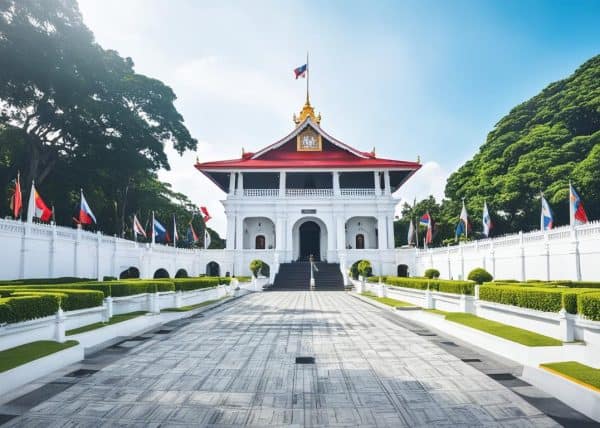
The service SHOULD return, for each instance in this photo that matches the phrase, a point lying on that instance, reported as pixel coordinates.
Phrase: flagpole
(466, 222)
(571, 208)
(19, 181)
(153, 238)
(307, 78)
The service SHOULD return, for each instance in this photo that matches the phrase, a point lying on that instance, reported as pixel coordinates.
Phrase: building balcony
(309, 193)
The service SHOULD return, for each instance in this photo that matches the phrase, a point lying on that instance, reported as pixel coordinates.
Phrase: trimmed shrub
(589, 305)
(480, 275)
(23, 308)
(188, 284)
(431, 273)
(354, 270)
(243, 278)
(70, 300)
(442, 285)
(376, 278)
(255, 267)
(365, 269)
(115, 288)
(109, 278)
(34, 281)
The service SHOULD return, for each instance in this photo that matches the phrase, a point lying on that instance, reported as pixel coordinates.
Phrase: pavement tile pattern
(237, 367)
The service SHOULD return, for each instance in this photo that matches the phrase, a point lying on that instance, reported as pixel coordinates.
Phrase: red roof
(283, 155)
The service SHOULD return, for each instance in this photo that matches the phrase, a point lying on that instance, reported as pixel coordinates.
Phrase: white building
(310, 194)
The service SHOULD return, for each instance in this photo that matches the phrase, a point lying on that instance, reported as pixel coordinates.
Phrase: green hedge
(376, 278)
(114, 288)
(37, 281)
(589, 305)
(188, 284)
(23, 308)
(540, 298)
(442, 285)
(547, 284)
(243, 278)
(70, 299)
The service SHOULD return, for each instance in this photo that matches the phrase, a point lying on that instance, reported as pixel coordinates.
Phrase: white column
(240, 191)
(336, 183)
(280, 233)
(282, 178)
(24, 249)
(52, 261)
(386, 182)
(376, 181)
(230, 237)
(76, 251)
(575, 252)
(340, 231)
(239, 232)
(390, 231)
(381, 232)
(231, 183)
(98, 255)
(522, 256)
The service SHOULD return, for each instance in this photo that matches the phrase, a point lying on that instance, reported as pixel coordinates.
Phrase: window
(260, 242)
(360, 241)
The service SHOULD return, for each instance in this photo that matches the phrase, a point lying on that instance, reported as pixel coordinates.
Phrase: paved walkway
(237, 367)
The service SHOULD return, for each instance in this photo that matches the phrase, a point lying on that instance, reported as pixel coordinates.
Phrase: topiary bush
(255, 267)
(431, 273)
(23, 308)
(365, 269)
(442, 285)
(589, 305)
(480, 275)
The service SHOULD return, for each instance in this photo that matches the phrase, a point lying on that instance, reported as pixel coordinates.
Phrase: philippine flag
(546, 219)
(86, 216)
(578, 215)
(301, 71)
(487, 220)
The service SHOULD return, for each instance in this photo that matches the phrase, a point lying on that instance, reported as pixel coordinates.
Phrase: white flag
(411, 233)
(206, 239)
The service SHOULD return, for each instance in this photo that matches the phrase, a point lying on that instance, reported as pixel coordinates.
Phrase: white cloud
(218, 78)
(429, 180)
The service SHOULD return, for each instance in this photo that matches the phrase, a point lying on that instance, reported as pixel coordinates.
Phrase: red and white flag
(206, 215)
(37, 207)
(138, 228)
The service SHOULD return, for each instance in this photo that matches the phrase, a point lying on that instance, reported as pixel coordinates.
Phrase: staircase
(296, 277)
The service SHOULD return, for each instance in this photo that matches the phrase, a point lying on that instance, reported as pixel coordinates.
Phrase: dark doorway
(360, 241)
(161, 273)
(213, 269)
(310, 240)
(403, 270)
(181, 273)
(259, 242)
(131, 272)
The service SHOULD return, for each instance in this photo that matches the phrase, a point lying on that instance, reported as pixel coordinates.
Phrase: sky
(414, 79)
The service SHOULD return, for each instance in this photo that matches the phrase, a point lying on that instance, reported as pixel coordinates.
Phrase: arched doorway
(310, 240)
(213, 269)
(131, 272)
(360, 241)
(259, 242)
(403, 270)
(161, 273)
(181, 273)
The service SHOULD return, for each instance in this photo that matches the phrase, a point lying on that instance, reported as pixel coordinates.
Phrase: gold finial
(243, 152)
(307, 111)
(197, 159)
(373, 151)
(418, 159)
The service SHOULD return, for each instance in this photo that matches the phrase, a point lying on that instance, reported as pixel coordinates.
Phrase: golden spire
(307, 111)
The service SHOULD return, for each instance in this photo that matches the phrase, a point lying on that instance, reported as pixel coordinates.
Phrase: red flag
(193, 233)
(16, 202)
(206, 214)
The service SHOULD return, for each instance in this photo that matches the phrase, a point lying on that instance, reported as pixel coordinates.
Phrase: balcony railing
(308, 193)
(357, 192)
(261, 193)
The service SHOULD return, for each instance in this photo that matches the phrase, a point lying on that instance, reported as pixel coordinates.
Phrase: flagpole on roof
(153, 238)
(307, 78)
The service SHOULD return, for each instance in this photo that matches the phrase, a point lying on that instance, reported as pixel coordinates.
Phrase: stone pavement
(237, 366)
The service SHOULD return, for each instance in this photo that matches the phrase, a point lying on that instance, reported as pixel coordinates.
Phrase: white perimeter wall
(562, 253)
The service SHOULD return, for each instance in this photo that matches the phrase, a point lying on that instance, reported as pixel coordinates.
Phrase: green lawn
(437, 311)
(524, 337)
(192, 307)
(114, 320)
(577, 371)
(13, 357)
(386, 300)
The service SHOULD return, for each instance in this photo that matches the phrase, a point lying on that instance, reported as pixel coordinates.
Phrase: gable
(288, 148)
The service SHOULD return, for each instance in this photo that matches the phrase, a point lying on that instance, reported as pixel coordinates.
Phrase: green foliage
(577, 371)
(364, 268)
(244, 278)
(109, 278)
(70, 300)
(112, 288)
(354, 271)
(375, 279)
(538, 146)
(14, 357)
(432, 273)
(188, 284)
(45, 281)
(545, 299)
(23, 308)
(255, 267)
(589, 305)
(514, 334)
(480, 275)
(442, 285)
